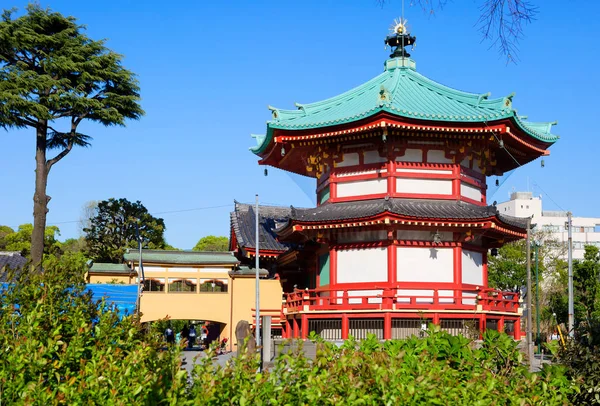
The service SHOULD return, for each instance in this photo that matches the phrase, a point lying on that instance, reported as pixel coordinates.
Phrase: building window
(182, 285)
(153, 285)
(214, 286)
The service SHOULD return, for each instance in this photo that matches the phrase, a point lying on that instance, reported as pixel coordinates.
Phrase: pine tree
(53, 77)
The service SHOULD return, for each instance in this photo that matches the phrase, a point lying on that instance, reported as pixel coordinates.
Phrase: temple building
(402, 229)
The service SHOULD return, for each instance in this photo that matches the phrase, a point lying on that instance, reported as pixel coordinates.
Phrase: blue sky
(208, 70)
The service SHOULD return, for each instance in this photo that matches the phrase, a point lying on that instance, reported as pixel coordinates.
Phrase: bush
(439, 369)
(58, 346)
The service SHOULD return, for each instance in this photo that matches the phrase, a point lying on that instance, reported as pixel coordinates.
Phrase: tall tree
(52, 78)
(212, 243)
(586, 286)
(114, 228)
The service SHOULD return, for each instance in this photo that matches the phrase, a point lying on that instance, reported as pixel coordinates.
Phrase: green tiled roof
(101, 267)
(182, 257)
(400, 91)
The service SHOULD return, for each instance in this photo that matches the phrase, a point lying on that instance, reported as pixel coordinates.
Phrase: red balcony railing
(400, 298)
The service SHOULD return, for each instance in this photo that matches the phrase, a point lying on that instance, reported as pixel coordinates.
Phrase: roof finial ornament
(399, 38)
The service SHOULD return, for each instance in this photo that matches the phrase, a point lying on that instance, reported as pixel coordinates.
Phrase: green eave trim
(182, 257)
(402, 92)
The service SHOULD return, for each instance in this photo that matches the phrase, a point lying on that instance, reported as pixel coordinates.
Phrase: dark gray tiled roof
(243, 222)
(10, 260)
(414, 208)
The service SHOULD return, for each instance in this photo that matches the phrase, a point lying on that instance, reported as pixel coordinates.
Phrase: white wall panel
(422, 235)
(423, 186)
(472, 267)
(411, 155)
(362, 187)
(438, 157)
(432, 171)
(424, 264)
(350, 159)
(427, 293)
(470, 191)
(362, 265)
(371, 157)
(354, 293)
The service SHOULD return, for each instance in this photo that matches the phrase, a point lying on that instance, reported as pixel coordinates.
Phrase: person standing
(170, 335)
(191, 337)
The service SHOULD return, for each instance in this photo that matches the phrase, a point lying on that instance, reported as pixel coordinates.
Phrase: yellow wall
(107, 278)
(224, 307)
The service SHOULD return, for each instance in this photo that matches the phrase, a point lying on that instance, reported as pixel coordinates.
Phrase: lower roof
(243, 224)
(413, 208)
(182, 257)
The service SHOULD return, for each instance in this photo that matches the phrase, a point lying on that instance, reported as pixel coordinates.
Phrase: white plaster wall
(422, 235)
(467, 294)
(212, 270)
(423, 186)
(350, 159)
(371, 157)
(432, 171)
(411, 155)
(472, 267)
(466, 163)
(362, 187)
(437, 156)
(428, 293)
(449, 296)
(346, 174)
(362, 265)
(470, 191)
(361, 236)
(354, 293)
(152, 268)
(424, 264)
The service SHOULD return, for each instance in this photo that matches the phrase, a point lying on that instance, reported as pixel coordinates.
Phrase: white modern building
(586, 230)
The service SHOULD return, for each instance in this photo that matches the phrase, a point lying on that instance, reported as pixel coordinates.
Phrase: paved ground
(191, 357)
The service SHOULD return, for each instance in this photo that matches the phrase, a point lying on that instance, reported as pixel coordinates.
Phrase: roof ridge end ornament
(301, 107)
(483, 96)
(274, 111)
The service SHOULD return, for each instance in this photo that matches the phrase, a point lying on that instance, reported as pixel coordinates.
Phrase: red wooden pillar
(482, 325)
(332, 187)
(387, 326)
(457, 252)
(304, 327)
(485, 269)
(295, 327)
(332, 267)
(392, 263)
(436, 319)
(456, 181)
(517, 329)
(391, 180)
(345, 326)
(501, 324)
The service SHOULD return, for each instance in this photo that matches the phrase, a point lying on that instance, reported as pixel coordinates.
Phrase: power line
(549, 197)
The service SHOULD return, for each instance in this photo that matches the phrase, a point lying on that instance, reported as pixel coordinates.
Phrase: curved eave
(407, 94)
(495, 222)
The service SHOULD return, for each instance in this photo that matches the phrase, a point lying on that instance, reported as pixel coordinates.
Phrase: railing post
(436, 298)
(387, 326)
(344, 326)
(304, 327)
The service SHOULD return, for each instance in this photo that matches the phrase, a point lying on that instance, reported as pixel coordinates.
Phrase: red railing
(475, 299)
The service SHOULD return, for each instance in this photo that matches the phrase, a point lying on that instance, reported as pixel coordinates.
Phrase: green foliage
(49, 69)
(507, 271)
(60, 347)
(438, 369)
(20, 240)
(52, 78)
(114, 228)
(212, 243)
(4, 231)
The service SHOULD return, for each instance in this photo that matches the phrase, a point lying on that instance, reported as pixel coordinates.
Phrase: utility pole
(537, 297)
(570, 260)
(140, 268)
(256, 266)
(529, 319)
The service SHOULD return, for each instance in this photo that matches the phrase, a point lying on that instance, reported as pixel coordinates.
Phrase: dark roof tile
(243, 221)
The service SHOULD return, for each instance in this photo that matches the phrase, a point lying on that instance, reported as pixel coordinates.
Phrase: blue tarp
(123, 297)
